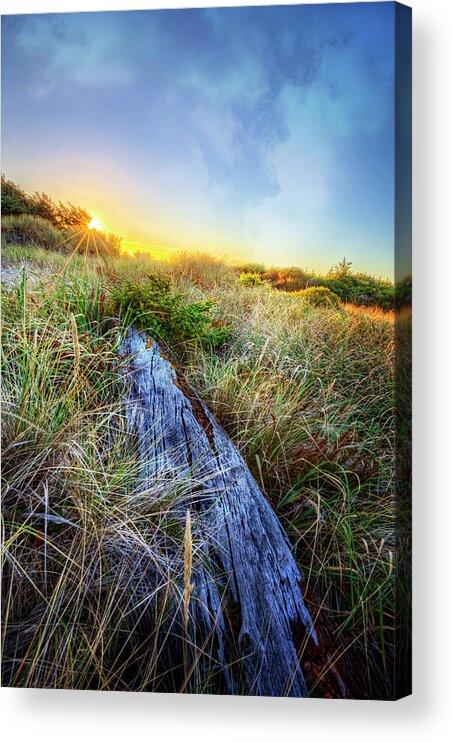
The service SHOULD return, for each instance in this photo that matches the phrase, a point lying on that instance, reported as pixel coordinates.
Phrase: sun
(95, 224)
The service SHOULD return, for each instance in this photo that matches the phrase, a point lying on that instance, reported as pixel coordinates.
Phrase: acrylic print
(206, 234)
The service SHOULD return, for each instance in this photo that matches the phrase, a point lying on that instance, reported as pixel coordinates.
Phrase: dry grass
(96, 569)
(96, 561)
(307, 395)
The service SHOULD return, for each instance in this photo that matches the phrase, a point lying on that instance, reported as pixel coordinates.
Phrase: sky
(258, 134)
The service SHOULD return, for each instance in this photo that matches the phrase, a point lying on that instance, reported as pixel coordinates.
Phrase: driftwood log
(247, 591)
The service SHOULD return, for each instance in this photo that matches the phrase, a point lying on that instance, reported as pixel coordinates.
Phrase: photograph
(206, 234)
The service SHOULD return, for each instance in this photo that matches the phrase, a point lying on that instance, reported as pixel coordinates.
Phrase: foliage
(103, 244)
(63, 216)
(15, 200)
(341, 269)
(156, 308)
(286, 279)
(251, 280)
(252, 268)
(319, 296)
(361, 289)
(355, 288)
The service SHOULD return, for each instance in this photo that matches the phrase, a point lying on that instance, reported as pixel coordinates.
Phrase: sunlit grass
(306, 393)
(93, 556)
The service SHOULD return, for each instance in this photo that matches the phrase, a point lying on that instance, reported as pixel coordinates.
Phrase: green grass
(85, 548)
(306, 393)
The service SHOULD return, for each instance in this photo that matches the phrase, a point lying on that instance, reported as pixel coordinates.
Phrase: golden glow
(152, 249)
(95, 224)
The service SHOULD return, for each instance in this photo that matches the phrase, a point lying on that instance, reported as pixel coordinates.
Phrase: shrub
(63, 216)
(30, 229)
(361, 289)
(251, 279)
(341, 269)
(15, 200)
(156, 308)
(286, 279)
(319, 296)
(252, 268)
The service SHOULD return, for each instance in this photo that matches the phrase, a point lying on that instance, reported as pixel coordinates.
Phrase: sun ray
(86, 249)
(70, 237)
(96, 248)
(73, 252)
(104, 244)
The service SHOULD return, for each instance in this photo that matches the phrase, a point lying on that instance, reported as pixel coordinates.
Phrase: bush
(29, 229)
(252, 268)
(361, 289)
(251, 279)
(63, 216)
(319, 296)
(286, 279)
(155, 308)
(15, 200)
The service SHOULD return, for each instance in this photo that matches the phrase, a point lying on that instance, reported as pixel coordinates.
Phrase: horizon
(261, 134)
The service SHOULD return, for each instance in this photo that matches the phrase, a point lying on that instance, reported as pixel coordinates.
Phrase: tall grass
(95, 574)
(30, 229)
(307, 394)
(201, 269)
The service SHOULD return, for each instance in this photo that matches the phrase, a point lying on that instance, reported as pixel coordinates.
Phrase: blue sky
(255, 133)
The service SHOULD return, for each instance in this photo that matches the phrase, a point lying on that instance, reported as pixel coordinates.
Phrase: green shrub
(251, 279)
(30, 229)
(15, 200)
(155, 308)
(319, 296)
(63, 216)
(360, 289)
(252, 268)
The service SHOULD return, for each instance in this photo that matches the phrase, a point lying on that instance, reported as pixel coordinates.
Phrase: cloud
(250, 121)
(60, 52)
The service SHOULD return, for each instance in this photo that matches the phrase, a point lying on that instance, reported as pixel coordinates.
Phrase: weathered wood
(255, 591)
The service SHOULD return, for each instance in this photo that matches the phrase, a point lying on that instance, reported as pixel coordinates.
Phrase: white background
(52, 715)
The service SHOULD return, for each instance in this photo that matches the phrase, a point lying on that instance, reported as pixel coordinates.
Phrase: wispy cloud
(249, 124)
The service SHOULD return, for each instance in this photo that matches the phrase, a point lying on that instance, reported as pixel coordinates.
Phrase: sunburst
(90, 233)
(95, 224)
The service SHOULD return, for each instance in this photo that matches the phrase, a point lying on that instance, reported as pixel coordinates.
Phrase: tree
(15, 200)
(341, 269)
(68, 216)
(45, 207)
